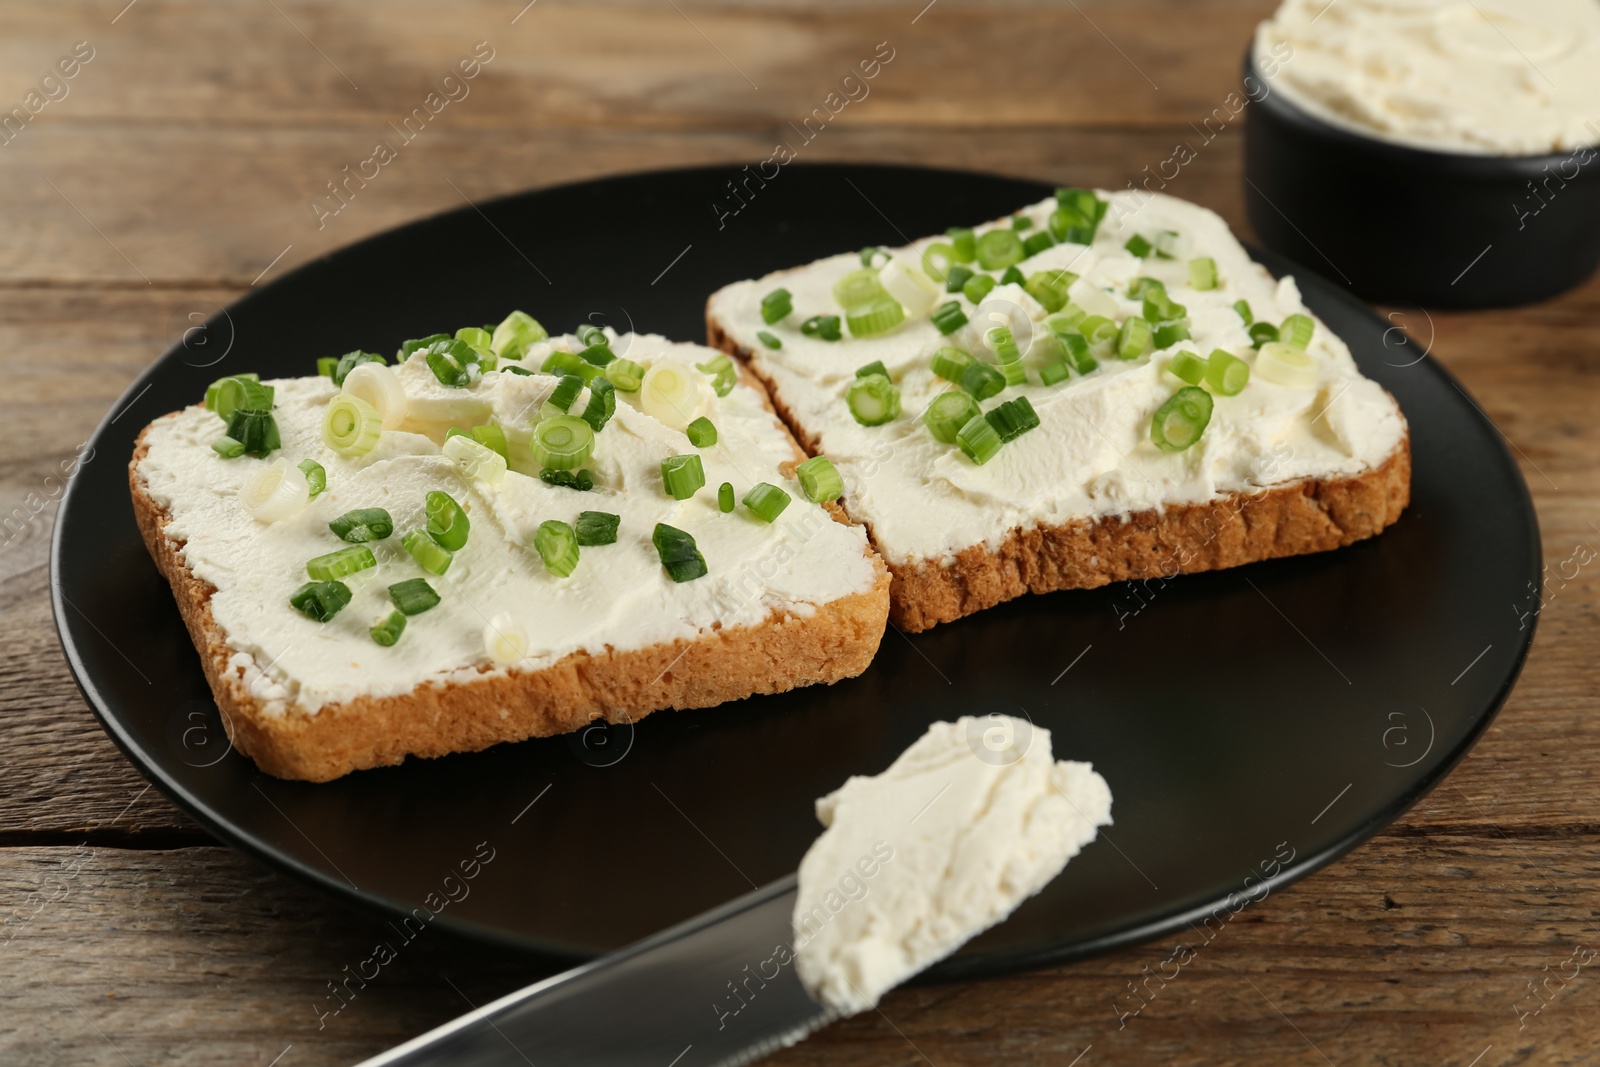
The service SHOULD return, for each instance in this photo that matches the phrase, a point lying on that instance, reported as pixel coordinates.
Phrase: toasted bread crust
(838, 640)
(1309, 515)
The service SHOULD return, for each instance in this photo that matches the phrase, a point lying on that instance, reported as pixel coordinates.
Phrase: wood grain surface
(178, 169)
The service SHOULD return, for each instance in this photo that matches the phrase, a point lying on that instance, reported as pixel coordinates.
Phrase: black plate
(1293, 706)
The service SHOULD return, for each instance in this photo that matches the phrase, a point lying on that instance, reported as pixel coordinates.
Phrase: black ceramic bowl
(1397, 223)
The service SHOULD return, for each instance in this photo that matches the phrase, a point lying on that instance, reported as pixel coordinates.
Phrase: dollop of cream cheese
(1092, 454)
(618, 598)
(965, 825)
(1490, 77)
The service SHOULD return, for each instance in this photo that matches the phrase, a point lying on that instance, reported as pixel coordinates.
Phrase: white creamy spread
(1091, 455)
(618, 598)
(1492, 77)
(965, 825)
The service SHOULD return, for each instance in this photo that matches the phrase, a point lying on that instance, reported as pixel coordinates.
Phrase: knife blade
(715, 991)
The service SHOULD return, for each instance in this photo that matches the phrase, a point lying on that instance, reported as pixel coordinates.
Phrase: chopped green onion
(1000, 341)
(776, 305)
(597, 528)
(1286, 365)
(768, 339)
(723, 373)
(1054, 372)
(1134, 339)
(493, 438)
(1179, 422)
(320, 600)
(475, 460)
(1012, 276)
(387, 631)
(870, 256)
(819, 480)
(1078, 354)
(875, 367)
(598, 355)
(725, 499)
(362, 525)
(956, 279)
(1188, 367)
(340, 563)
(564, 443)
(256, 430)
(1139, 246)
(948, 413)
(1262, 333)
(413, 596)
(682, 476)
(999, 248)
(982, 380)
(476, 337)
(1037, 243)
(561, 362)
(625, 374)
(873, 400)
(1143, 286)
(878, 316)
(702, 432)
(512, 368)
(964, 242)
(602, 404)
(1242, 307)
(408, 348)
(583, 481)
(767, 501)
(589, 336)
(431, 557)
(1012, 418)
(1021, 223)
(1226, 373)
(825, 327)
(1203, 273)
(350, 361)
(1170, 333)
(948, 363)
(1049, 288)
(566, 391)
(1077, 215)
(238, 392)
(557, 544)
(447, 521)
(1159, 306)
(516, 333)
(1169, 243)
(1097, 329)
(679, 554)
(948, 318)
(857, 287)
(325, 366)
(316, 477)
(452, 361)
(978, 440)
(227, 447)
(977, 287)
(1296, 330)
(938, 259)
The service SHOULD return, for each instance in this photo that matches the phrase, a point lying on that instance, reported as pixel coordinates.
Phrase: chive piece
(1012, 419)
(516, 333)
(767, 339)
(597, 528)
(387, 631)
(776, 305)
(857, 287)
(1139, 246)
(938, 260)
(568, 386)
(1243, 309)
(1134, 339)
(413, 596)
(964, 241)
(326, 364)
(977, 287)
(870, 254)
(561, 362)
(416, 344)
(1262, 333)
(1179, 422)
(320, 600)
(1143, 286)
(725, 500)
(999, 248)
(1295, 330)
(825, 327)
(227, 447)
(819, 480)
(1159, 305)
(873, 400)
(625, 374)
(679, 554)
(238, 392)
(337, 564)
(493, 438)
(1049, 288)
(1077, 215)
(978, 440)
(956, 279)
(1054, 372)
(350, 361)
(948, 413)
(1226, 373)
(316, 477)
(702, 433)
(682, 476)
(948, 317)
(1021, 223)
(557, 544)
(875, 367)
(1012, 276)
(1097, 330)
(582, 481)
(257, 431)
(589, 335)
(982, 380)
(1037, 243)
(597, 355)
(602, 404)
(1003, 344)
(564, 442)
(456, 431)
(722, 371)
(878, 316)
(361, 525)
(430, 556)
(476, 338)
(1077, 350)
(1066, 319)
(447, 522)
(1170, 333)
(1203, 272)
(948, 364)
(1188, 367)
(453, 361)
(767, 501)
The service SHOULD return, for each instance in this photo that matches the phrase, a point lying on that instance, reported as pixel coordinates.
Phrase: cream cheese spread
(965, 825)
(1491, 77)
(1092, 454)
(618, 598)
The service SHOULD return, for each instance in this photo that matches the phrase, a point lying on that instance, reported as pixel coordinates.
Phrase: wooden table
(178, 169)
